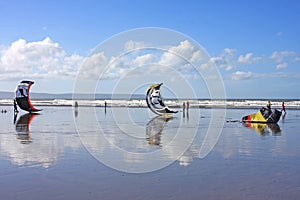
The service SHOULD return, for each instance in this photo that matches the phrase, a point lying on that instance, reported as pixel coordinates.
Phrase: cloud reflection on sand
(41, 146)
(40, 140)
(141, 142)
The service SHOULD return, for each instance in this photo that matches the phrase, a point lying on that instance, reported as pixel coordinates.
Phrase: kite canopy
(264, 115)
(22, 96)
(155, 101)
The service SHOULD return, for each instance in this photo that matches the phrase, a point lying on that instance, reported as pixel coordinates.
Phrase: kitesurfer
(269, 105)
(283, 107)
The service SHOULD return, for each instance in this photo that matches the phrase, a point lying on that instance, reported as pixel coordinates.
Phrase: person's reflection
(264, 129)
(283, 117)
(22, 127)
(154, 129)
(76, 109)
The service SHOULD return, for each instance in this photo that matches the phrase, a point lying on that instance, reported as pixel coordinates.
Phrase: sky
(254, 44)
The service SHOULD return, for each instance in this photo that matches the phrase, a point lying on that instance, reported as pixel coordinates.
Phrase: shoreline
(177, 107)
(141, 103)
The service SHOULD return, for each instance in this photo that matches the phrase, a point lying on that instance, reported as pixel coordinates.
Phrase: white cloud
(297, 59)
(226, 59)
(248, 58)
(150, 61)
(240, 75)
(46, 59)
(183, 56)
(229, 52)
(282, 65)
(279, 56)
(131, 45)
(41, 59)
(143, 60)
(93, 66)
(229, 59)
(177, 55)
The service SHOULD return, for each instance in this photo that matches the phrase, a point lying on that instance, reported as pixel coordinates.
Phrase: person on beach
(183, 106)
(283, 107)
(269, 105)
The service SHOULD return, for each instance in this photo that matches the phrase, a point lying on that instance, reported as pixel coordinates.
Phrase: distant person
(269, 105)
(187, 105)
(76, 109)
(183, 106)
(283, 107)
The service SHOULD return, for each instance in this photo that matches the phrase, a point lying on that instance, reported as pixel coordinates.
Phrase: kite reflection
(22, 127)
(264, 128)
(154, 129)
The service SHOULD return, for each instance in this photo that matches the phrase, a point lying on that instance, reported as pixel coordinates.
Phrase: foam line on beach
(245, 104)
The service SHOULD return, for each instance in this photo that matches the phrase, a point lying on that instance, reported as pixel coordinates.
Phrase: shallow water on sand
(184, 157)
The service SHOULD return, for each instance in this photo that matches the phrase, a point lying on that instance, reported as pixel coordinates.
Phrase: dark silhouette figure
(269, 105)
(283, 107)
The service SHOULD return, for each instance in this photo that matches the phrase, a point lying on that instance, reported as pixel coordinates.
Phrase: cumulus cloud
(179, 55)
(278, 56)
(282, 65)
(47, 59)
(240, 75)
(229, 59)
(93, 66)
(131, 45)
(226, 59)
(144, 59)
(42, 59)
(248, 58)
(281, 58)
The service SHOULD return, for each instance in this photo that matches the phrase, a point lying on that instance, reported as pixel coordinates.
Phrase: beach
(101, 153)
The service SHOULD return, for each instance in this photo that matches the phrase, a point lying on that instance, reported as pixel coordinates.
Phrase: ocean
(141, 102)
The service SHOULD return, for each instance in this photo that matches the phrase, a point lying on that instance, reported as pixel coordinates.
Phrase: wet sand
(44, 157)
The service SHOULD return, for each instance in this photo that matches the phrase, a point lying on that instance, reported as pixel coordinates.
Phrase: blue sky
(254, 44)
